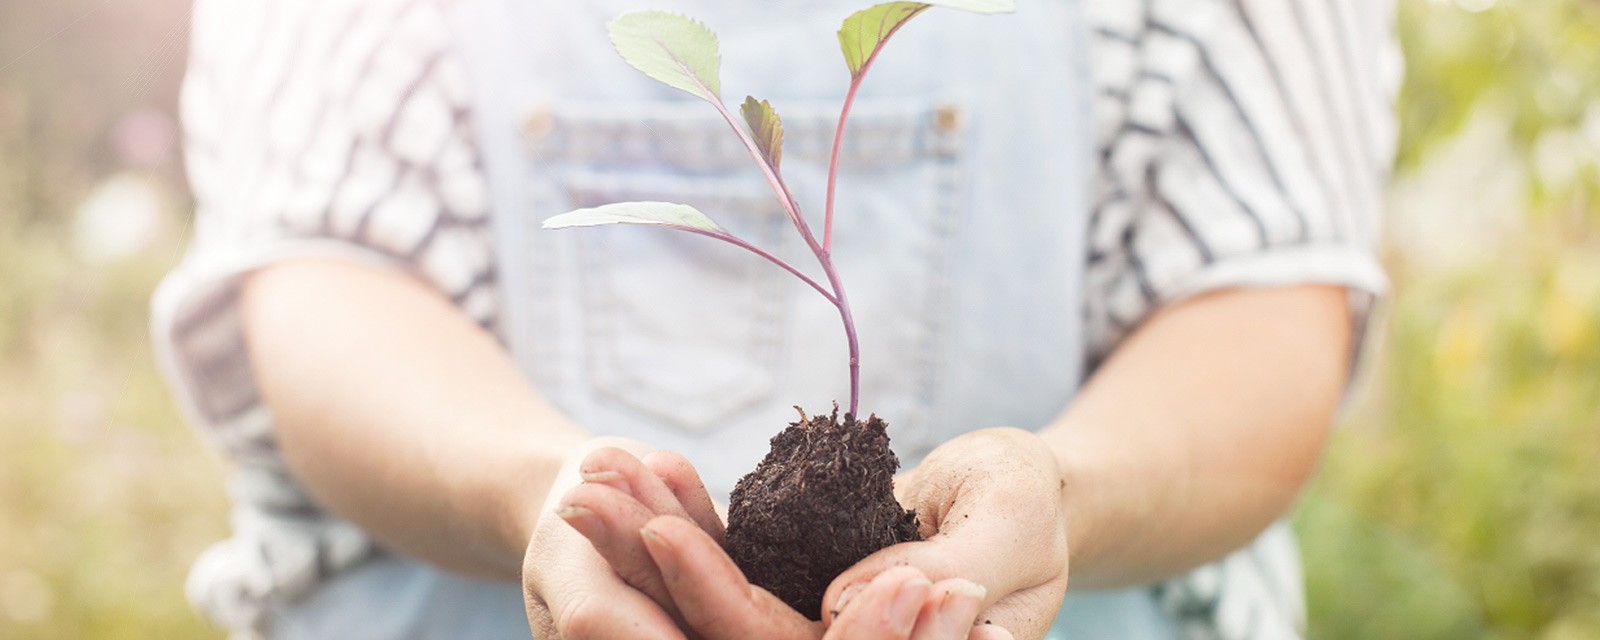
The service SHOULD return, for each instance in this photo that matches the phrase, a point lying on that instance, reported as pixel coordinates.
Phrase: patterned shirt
(1241, 143)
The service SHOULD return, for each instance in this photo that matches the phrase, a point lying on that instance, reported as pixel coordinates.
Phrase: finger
(712, 595)
(684, 482)
(582, 614)
(570, 595)
(623, 471)
(980, 548)
(951, 609)
(610, 520)
(887, 607)
(940, 558)
(990, 631)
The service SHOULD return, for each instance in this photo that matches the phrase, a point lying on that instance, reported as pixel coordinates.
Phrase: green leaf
(674, 49)
(666, 214)
(765, 127)
(865, 30)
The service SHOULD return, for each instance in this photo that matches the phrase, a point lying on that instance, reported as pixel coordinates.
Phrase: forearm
(1199, 431)
(399, 413)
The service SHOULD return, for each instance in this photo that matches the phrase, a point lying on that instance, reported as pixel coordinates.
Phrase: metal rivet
(540, 120)
(948, 118)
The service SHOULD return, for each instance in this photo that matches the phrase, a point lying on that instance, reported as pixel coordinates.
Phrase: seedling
(776, 510)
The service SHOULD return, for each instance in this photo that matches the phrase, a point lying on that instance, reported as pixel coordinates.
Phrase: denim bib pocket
(681, 327)
(691, 332)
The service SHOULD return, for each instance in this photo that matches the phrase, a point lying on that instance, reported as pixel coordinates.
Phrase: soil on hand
(822, 500)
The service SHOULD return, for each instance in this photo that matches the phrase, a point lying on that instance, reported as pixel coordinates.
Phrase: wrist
(555, 466)
(1116, 497)
(521, 499)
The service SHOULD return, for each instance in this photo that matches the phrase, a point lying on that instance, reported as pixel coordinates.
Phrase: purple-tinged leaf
(765, 127)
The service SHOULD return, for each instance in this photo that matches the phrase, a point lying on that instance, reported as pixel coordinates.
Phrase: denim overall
(960, 222)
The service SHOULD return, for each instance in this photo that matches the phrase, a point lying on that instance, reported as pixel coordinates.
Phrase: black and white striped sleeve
(1243, 143)
(316, 128)
(313, 128)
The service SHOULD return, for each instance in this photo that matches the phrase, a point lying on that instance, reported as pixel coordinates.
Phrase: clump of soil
(822, 500)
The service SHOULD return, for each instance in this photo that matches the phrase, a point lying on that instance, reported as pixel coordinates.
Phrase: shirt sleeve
(1243, 143)
(315, 129)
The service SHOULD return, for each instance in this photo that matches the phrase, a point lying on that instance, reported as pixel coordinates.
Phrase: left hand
(991, 510)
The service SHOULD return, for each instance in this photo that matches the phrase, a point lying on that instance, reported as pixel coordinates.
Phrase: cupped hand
(990, 506)
(648, 518)
(569, 588)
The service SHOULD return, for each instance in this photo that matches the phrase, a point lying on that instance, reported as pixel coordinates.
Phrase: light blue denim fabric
(394, 598)
(960, 237)
(960, 224)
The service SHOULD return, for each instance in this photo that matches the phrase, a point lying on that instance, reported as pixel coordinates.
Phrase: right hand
(570, 590)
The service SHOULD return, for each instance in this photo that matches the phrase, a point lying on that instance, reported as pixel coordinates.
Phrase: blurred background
(1461, 498)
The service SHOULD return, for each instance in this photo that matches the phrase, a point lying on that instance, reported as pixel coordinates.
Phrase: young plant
(801, 517)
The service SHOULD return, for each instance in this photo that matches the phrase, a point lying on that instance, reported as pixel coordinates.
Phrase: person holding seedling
(1101, 268)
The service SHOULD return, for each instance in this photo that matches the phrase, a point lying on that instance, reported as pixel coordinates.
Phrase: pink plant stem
(825, 255)
(735, 241)
(838, 298)
(833, 161)
(851, 342)
(838, 133)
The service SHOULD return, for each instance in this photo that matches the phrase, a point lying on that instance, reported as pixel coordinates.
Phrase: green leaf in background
(666, 214)
(765, 127)
(865, 30)
(674, 49)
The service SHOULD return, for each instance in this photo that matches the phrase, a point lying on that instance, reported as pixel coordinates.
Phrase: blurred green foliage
(1460, 498)
(1536, 63)
(105, 495)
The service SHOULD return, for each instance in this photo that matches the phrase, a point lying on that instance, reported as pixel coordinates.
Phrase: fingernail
(582, 520)
(661, 552)
(960, 605)
(610, 478)
(603, 475)
(849, 592)
(907, 604)
(969, 588)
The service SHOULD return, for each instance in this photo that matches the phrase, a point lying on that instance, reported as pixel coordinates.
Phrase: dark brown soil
(822, 500)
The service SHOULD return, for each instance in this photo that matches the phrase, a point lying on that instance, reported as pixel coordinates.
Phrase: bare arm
(1199, 431)
(399, 413)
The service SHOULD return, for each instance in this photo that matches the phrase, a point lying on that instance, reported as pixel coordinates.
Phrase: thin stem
(833, 161)
(793, 209)
(825, 256)
(741, 243)
(838, 133)
(851, 341)
(773, 180)
(838, 298)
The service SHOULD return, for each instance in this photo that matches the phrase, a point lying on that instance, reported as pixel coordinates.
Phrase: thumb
(1022, 593)
(990, 550)
(936, 558)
